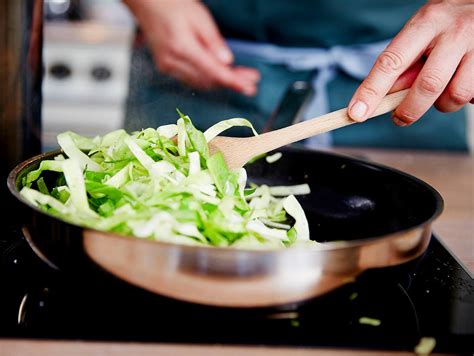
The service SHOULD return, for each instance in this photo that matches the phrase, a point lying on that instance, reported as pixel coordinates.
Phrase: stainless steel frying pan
(368, 216)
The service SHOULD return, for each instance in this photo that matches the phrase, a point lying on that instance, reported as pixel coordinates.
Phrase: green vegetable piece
(292, 236)
(219, 171)
(61, 194)
(425, 346)
(353, 296)
(99, 190)
(154, 186)
(196, 137)
(42, 186)
(256, 158)
(369, 321)
(48, 165)
(215, 237)
(95, 176)
(221, 126)
(249, 191)
(75, 182)
(295, 323)
(107, 208)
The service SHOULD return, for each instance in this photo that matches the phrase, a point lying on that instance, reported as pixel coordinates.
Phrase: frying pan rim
(326, 246)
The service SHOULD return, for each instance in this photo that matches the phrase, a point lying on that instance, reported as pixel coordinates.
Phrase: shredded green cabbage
(425, 346)
(369, 321)
(221, 126)
(274, 157)
(163, 184)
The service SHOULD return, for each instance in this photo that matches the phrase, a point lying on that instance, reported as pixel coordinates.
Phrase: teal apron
(301, 23)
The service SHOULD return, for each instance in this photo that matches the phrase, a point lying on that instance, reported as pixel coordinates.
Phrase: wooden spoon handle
(334, 120)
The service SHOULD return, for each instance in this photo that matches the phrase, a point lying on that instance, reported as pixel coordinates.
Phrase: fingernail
(358, 110)
(225, 55)
(397, 121)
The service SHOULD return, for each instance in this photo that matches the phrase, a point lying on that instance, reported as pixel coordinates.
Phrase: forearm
(187, 44)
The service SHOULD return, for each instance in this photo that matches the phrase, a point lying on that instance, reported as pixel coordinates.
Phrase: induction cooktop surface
(390, 308)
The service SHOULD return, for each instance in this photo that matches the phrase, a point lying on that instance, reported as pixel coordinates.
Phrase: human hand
(434, 55)
(186, 44)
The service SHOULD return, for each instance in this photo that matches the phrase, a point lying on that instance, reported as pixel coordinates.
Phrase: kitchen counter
(452, 174)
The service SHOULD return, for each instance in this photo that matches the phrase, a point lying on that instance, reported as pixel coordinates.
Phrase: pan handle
(291, 107)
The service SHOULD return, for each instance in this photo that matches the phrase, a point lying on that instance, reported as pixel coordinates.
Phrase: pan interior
(349, 199)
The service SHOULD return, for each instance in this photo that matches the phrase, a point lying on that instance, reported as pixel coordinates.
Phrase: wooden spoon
(239, 150)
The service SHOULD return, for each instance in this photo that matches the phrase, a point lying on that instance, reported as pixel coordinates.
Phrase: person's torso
(312, 23)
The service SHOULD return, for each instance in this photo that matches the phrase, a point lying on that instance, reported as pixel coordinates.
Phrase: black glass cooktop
(430, 297)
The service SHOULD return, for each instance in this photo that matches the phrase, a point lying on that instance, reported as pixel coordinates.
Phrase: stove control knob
(60, 70)
(101, 73)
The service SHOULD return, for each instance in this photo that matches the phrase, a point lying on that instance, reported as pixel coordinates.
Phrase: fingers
(430, 83)
(214, 70)
(441, 31)
(186, 44)
(460, 90)
(187, 74)
(248, 72)
(194, 64)
(239, 78)
(406, 80)
(400, 54)
(211, 38)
